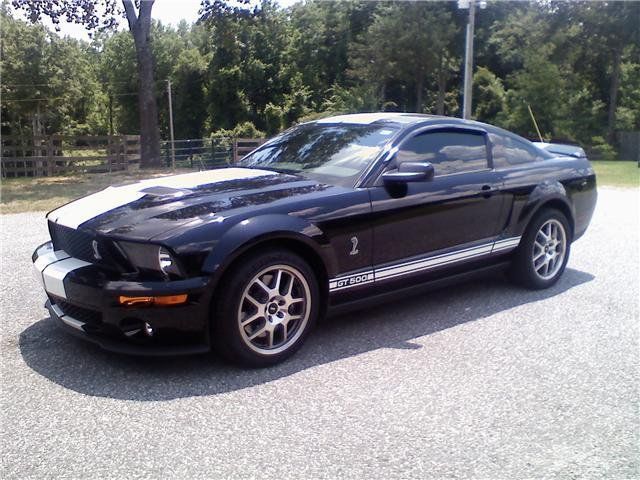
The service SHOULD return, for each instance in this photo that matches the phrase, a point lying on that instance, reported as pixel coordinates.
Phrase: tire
(265, 308)
(528, 265)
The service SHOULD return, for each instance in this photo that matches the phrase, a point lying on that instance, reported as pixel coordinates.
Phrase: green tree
(530, 87)
(39, 96)
(576, 64)
(406, 43)
(488, 96)
(609, 32)
(321, 34)
(190, 111)
(118, 73)
(139, 19)
(628, 112)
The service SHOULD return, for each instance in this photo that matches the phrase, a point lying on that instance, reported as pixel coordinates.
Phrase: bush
(242, 130)
(274, 118)
(247, 130)
(488, 94)
(602, 150)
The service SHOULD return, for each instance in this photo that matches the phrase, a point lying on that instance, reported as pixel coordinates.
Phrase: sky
(167, 11)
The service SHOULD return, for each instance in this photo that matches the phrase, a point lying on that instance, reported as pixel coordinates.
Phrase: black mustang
(325, 216)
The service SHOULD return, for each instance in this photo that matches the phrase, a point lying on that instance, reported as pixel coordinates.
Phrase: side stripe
(414, 266)
(432, 262)
(348, 281)
(506, 244)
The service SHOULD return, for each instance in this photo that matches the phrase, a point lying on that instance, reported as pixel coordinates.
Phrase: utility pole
(468, 61)
(468, 55)
(173, 149)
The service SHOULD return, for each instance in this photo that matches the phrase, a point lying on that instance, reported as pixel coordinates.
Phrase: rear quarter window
(512, 151)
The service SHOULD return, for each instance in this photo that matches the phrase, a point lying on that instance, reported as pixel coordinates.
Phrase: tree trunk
(442, 85)
(140, 27)
(382, 95)
(613, 95)
(419, 89)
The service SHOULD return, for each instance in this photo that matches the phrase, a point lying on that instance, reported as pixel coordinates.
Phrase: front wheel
(265, 308)
(543, 252)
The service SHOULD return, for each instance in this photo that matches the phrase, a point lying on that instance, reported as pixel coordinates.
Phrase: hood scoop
(164, 192)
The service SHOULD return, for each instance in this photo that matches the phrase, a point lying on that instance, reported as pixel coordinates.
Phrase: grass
(617, 174)
(45, 193)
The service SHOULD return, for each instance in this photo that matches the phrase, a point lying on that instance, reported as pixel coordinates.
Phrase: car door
(455, 215)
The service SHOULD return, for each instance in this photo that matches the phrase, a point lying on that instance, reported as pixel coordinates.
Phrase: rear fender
(548, 194)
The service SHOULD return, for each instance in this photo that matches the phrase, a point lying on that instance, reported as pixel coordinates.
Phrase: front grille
(92, 317)
(79, 244)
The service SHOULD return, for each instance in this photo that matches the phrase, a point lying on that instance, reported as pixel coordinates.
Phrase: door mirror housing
(410, 172)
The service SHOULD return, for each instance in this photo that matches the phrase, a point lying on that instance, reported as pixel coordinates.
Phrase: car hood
(156, 206)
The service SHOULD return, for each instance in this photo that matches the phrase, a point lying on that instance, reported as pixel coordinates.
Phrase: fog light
(148, 329)
(161, 301)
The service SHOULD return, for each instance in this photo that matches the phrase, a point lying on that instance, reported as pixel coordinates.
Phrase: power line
(58, 98)
(51, 84)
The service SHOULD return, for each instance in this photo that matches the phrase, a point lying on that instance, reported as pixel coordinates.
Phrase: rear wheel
(543, 252)
(265, 308)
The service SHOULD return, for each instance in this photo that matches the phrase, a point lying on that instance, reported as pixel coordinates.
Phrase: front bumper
(83, 299)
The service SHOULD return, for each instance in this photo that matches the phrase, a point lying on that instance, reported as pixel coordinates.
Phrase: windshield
(334, 154)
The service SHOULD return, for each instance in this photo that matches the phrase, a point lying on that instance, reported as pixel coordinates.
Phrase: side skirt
(430, 285)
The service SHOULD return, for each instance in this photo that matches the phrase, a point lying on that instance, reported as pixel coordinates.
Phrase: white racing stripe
(419, 265)
(54, 275)
(432, 262)
(45, 260)
(76, 213)
(53, 267)
(506, 244)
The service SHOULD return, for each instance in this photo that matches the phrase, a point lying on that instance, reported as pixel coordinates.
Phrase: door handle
(487, 191)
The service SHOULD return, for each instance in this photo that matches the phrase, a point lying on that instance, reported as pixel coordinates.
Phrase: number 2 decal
(354, 246)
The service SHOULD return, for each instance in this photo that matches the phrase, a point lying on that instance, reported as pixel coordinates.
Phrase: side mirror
(410, 172)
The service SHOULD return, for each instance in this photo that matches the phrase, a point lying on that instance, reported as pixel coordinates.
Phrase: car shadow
(83, 367)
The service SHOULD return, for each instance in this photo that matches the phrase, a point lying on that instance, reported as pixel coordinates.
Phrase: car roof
(369, 118)
(400, 118)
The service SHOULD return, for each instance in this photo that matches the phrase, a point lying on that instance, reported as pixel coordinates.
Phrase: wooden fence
(61, 154)
(207, 152)
(629, 146)
(242, 146)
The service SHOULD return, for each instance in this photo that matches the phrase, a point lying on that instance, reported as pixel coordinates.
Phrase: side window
(511, 151)
(449, 152)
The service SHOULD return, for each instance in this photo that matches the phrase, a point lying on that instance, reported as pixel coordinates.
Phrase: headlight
(167, 264)
(145, 256)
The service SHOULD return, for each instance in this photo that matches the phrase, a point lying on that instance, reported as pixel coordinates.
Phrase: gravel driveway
(483, 380)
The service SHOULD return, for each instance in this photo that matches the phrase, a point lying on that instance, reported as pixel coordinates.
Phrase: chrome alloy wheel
(549, 249)
(274, 309)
